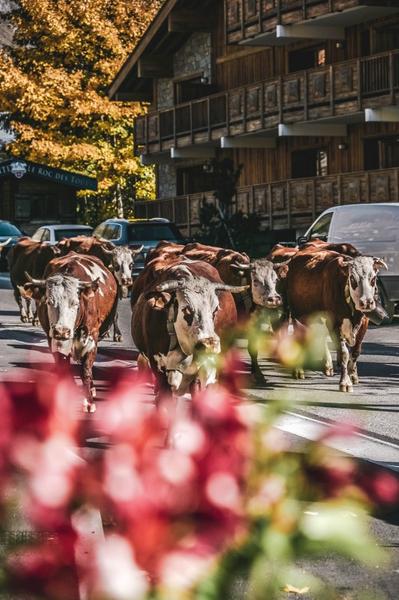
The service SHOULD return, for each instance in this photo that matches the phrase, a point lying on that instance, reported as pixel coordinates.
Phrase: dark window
(306, 58)
(59, 234)
(111, 232)
(365, 42)
(46, 235)
(387, 38)
(321, 228)
(153, 231)
(192, 180)
(44, 207)
(191, 89)
(309, 163)
(381, 153)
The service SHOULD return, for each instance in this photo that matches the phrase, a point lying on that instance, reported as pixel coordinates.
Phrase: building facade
(304, 94)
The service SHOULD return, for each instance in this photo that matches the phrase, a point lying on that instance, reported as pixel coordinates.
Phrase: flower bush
(187, 506)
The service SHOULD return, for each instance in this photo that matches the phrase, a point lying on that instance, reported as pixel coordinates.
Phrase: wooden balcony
(260, 21)
(294, 203)
(335, 93)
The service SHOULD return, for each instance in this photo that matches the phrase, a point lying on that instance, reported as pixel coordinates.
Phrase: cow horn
(2, 244)
(36, 282)
(378, 262)
(234, 289)
(136, 251)
(283, 263)
(169, 286)
(241, 266)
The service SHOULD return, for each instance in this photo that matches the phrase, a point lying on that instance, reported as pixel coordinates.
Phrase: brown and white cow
(261, 277)
(28, 256)
(343, 288)
(118, 259)
(180, 309)
(77, 300)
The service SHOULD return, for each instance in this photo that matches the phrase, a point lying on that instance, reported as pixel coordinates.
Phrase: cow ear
(379, 264)
(281, 270)
(159, 301)
(30, 290)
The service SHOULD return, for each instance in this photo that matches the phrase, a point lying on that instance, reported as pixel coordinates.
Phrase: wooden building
(303, 93)
(32, 194)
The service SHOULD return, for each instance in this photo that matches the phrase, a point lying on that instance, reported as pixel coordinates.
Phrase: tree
(53, 88)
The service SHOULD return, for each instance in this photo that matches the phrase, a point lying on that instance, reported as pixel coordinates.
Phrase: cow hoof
(346, 388)
(118, 338)
(24, 319)
(299, 374)
(35, 322)
(257, 379)
(355, 379)
(329, 372)
(92, 407)
(89, 407)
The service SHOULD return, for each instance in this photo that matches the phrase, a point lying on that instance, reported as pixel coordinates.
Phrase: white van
(374, 230)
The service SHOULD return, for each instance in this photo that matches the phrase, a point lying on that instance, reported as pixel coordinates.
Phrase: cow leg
(89, 404)
(328, 365)
(117, 331)
(256, 373)
(21, 305)
(35, 320)
(345, 384)
(355, 351)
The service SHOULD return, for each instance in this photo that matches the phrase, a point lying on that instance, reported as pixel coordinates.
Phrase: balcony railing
(293, 203)
(247, 19)
(337, 90)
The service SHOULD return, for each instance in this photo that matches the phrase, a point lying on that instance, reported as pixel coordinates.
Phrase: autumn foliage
(53, 84)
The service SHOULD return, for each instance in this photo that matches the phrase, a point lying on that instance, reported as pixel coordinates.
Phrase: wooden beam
(385, 114)
(311, 32)
(248, 141)
(149, 67)
(133, 96)
(312, 130)
(155, 159)
(185, 21)
(193, 152)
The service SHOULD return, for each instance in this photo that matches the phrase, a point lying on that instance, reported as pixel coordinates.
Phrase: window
(8, 230)
(37, 236)
(111, 232)
(321, 228)
(69, 233)
(46, 235)
(381, 153)
(307, 58)
(192, 180)
(309, 163)
(365, 223)
(153, 231)
(192, 88)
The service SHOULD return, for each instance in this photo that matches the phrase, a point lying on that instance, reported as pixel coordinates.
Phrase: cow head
(121, 264)
(264, 278)
(192, 303)
(63, 295)
(362, 280)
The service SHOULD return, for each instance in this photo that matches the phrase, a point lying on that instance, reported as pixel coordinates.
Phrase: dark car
(138, 232)
(8, 231)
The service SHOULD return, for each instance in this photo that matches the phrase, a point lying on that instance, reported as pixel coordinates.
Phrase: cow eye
(353, 282)
(373, 281)
(116, 267)
(131, 266)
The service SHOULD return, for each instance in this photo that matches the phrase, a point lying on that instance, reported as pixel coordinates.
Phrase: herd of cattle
(187, 300)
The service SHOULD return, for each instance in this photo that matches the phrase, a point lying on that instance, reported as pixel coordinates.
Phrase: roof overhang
(20, 168)
(152, 57)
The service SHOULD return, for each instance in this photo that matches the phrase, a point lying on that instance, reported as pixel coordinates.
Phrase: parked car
(55, 233)
(11, 232)
(371, 228)
(138, 232)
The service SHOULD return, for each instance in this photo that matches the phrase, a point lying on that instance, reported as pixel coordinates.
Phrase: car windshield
(140, 232)
(59, 234)
(7, 229)
(366, 224)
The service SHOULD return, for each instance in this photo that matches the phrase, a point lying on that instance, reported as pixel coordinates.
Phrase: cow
(344, 289)
(180, 309)
(118, 259)
(77, 299)
(28, 256)
(236, 268)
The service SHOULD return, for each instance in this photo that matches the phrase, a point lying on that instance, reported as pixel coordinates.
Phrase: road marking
(359, 445)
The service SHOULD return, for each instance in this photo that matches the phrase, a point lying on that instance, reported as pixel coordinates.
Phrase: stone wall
(193, 57)
(166, 180)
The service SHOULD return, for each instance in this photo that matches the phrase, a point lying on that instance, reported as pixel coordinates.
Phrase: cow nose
(366, 303)
(127, 281)
(275, 300)
(61, 333)
(208, 345)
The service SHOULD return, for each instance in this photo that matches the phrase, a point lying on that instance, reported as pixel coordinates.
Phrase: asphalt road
(310, 406)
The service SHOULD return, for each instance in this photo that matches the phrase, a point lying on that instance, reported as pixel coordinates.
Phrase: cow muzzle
(274, 301)
(208, 345)
(61, 333)
(128, 281)
(366, 304)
